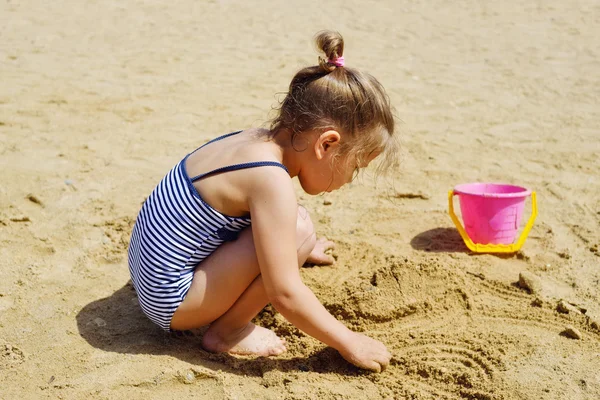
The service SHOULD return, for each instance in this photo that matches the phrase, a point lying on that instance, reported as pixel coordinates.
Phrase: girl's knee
(305, 233)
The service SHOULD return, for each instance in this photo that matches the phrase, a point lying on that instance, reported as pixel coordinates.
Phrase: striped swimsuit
(174, 231)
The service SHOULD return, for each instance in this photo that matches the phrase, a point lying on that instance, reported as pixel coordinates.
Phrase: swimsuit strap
(216, 139)
(241, 166)
(236, 166)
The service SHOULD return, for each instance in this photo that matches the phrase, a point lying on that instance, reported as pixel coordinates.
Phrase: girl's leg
(233, 332)
(227, 292)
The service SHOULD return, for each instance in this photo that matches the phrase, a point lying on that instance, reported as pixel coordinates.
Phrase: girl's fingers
(318, 256)
(323, 259)
(328, 244)
(373, 366)
(384, 362)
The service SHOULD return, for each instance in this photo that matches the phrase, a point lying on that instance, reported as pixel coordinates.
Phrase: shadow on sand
(439, 240)
(117, 324)
(448, 240)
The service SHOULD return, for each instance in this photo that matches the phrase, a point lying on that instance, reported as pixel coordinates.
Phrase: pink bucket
(491, 212)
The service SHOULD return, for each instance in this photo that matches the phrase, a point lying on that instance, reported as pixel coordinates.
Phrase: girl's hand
(318, 255)
(366, 353)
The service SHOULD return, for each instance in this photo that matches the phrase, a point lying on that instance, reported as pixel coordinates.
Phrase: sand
(98, 100)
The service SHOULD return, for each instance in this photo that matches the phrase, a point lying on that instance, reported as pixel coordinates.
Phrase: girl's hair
(332, 96)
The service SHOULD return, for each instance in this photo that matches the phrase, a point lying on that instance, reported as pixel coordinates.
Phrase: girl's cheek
(350, 177)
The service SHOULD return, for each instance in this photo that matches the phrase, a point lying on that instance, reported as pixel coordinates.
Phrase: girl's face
(327, 170)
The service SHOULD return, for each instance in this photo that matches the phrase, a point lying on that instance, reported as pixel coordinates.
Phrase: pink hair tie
(338, 62)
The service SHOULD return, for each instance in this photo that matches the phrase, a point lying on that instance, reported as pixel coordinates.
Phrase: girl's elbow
(281, 302)
(284, 300)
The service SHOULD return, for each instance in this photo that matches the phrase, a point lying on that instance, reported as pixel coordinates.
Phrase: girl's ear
(326, 143)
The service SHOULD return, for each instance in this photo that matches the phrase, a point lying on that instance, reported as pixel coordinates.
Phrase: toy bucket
(492, 215)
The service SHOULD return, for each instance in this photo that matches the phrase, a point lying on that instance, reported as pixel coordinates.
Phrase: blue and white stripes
(174, 231)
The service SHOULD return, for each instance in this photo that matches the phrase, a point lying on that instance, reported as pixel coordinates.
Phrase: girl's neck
(291, 156)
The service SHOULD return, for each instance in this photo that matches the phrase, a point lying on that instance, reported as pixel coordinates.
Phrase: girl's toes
(275, 351)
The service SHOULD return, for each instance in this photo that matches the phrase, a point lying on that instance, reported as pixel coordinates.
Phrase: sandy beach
(98, 100)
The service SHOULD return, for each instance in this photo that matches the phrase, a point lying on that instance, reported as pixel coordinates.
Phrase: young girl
(222, 234)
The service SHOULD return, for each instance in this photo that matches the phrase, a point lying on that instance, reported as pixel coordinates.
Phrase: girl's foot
(250, 340)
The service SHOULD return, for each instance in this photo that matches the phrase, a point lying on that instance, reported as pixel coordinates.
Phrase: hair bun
(332, 44)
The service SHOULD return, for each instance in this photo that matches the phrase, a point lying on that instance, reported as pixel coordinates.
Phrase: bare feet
(250, 340)
(318, 255)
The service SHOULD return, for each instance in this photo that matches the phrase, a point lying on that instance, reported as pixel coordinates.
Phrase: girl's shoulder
(230, 171)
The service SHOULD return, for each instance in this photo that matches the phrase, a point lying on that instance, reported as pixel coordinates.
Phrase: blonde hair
(350, 101)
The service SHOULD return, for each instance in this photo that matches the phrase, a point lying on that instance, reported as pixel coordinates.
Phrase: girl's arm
(273, 209)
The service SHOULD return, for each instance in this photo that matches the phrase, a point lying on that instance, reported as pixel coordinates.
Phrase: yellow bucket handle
(493, 248)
